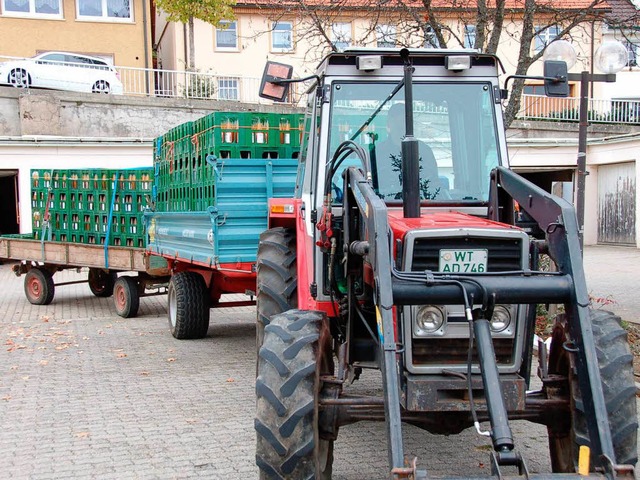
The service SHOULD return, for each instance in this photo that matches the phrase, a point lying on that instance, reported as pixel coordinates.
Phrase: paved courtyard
(87, 394)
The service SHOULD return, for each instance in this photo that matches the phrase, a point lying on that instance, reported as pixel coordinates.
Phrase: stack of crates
(184, 181)
(90, 206)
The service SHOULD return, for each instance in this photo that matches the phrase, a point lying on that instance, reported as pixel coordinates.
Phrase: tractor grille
(454, 351)
(504, 254)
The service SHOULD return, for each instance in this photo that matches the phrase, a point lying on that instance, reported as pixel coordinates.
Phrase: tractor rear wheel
(295, 353)
(101, 283)
(616, 370)
(277, 277)
(188, 306)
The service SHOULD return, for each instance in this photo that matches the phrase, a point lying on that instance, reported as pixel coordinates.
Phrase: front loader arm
(557, 218)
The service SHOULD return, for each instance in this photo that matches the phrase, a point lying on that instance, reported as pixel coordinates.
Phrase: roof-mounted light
(369, 62)
(457, 62)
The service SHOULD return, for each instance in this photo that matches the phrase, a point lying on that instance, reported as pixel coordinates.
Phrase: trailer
(213, 252)
(39, 260)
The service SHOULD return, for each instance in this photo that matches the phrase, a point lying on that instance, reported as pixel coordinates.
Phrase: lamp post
(610, 58)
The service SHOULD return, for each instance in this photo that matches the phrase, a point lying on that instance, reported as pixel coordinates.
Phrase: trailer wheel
(296, 352)
(39, 287)
(101, 283)
(277, 278)
(188, 306)
(126, 296)
(616, 370)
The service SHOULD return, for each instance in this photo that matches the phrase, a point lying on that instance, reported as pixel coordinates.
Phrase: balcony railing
(539, 107)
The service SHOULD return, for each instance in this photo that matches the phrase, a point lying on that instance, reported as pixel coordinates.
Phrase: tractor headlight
(501, 319)
(430, 320)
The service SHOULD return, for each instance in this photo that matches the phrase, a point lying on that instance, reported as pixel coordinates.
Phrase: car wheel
(19, 78)
(101, 86)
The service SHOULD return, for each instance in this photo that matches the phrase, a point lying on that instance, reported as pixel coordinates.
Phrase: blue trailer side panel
(228, 231)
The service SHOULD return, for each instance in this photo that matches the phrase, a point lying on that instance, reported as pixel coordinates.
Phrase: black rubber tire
(101, 283)
(615, 362)
(188, 306)
(39, 287)
(126, 296)
(277, 277)
(296, 351)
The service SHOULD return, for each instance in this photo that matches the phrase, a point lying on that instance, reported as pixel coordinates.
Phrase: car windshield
(454, 124)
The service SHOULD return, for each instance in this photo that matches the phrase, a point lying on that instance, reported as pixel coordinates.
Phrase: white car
(62, 71)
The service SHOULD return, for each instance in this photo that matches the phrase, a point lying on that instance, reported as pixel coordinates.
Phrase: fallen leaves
(171, 359)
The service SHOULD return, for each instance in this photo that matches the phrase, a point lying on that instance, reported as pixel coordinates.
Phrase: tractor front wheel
(188, 306)
(616, 371)
(295, 354)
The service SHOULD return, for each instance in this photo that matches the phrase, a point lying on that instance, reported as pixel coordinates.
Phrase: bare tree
(484, 25)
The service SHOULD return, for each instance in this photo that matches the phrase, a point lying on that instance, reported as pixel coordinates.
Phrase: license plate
(463, 261)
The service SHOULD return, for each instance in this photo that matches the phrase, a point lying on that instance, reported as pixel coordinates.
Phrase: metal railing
(539, 107)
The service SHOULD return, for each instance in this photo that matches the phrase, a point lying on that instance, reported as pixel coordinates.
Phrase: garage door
(617, 203)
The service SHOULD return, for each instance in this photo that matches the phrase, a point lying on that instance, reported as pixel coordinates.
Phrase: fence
(539, 107)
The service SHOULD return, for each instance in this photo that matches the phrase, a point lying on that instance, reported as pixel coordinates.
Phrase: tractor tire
(277, 277)
(39, 287)
(295, 353)
(101, 283)
(615, 362)
(188, 306)
(126, 297)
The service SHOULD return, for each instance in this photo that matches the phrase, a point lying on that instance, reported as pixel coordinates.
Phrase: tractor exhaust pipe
(410, 150)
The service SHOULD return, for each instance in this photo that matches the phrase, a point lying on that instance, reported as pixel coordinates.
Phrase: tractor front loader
(404, 255)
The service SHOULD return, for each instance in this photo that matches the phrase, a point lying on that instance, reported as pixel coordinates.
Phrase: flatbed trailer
(39, 260)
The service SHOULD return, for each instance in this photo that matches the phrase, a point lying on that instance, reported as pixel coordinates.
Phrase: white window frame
(633, 54)
(341, 33)
(225, 48)
(229, 88)
(543, 38)
(386, 36)
(274, 25)
(104, 17)
(469, 36)
(32, 11)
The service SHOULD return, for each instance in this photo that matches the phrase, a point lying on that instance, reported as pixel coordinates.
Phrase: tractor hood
(400, 225)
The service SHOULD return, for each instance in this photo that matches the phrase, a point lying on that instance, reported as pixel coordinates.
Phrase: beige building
(263, 30)
(118, 31)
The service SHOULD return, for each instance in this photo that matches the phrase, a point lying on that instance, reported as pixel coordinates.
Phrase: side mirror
(275, 81)
(556, 79)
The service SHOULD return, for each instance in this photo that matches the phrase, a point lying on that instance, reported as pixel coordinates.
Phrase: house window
(386, 36)
(469, 36)
(544, 36)
(341, 35)
(227, 35)
(430, 39)
(228, 89)
(282, 37)
(24, 8)
(110, 10)
(533, 90)
(633, 52)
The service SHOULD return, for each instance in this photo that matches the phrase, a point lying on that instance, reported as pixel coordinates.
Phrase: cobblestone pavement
(87, 394)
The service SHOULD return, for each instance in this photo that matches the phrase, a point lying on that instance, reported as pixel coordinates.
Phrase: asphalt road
(87, 394)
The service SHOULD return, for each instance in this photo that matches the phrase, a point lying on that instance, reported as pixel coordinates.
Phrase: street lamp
(610, 58)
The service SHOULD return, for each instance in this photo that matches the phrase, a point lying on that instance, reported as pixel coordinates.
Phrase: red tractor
(401, 252)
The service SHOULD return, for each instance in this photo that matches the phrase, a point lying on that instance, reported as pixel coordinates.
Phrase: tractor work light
(430, 320)
(457, 62)
(369, 62)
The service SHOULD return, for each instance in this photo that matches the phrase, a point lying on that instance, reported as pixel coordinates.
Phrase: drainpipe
(146, 46)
